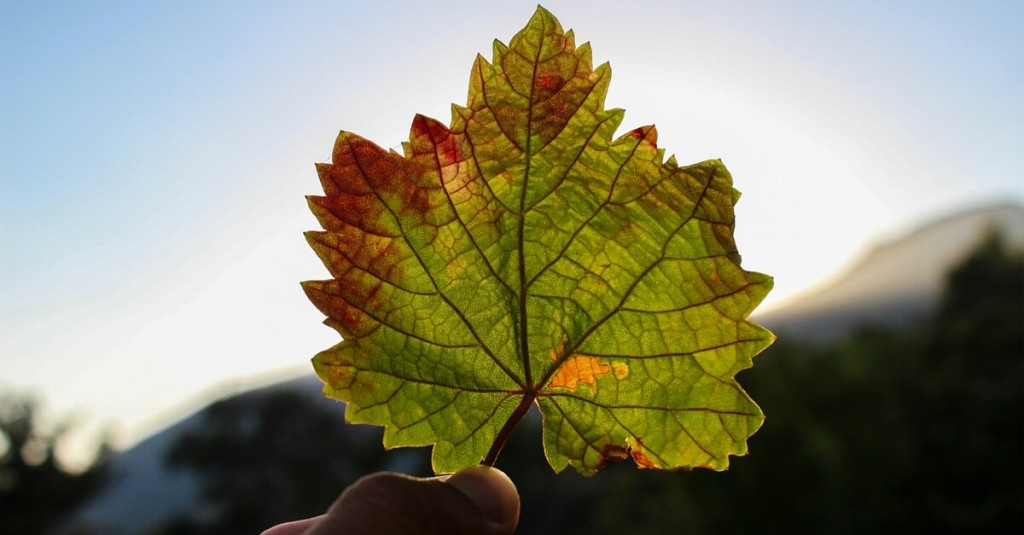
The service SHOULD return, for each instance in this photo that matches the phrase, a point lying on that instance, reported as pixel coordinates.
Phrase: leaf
(522, 256)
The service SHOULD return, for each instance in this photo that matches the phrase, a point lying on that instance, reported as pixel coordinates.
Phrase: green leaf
(523, 256)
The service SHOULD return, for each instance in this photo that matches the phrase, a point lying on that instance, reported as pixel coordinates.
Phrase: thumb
(492, 492)
(478, 500)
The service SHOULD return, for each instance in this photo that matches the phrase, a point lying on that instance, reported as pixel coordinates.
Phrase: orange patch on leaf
(642, 460)
(333, 374)
(548, 82)
(577, 370)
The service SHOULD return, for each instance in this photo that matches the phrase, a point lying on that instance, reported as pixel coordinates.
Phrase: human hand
(478, 500)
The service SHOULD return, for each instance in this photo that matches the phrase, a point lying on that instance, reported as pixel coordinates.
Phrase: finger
(491, 490)
(298, 527)
(387, 503)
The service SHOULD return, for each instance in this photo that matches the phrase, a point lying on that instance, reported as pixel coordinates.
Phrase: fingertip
(297, 527)
(491, 491)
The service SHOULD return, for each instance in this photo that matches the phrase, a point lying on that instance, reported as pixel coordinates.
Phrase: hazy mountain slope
(144, 492)
(897, 281)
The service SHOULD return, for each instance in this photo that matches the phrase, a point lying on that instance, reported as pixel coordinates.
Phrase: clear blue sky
(154, 155)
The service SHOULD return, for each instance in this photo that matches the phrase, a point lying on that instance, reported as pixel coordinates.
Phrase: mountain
(284, 436)
(896, 282)
(144, 491)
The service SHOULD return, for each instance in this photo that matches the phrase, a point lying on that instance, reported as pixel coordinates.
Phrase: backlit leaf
(525, 255)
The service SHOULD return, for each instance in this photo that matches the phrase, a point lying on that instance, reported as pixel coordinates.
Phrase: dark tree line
(37, 492)
(267, 457)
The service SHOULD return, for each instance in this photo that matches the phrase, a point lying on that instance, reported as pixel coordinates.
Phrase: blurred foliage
(36, 490)
(265, 458)
(912, 430)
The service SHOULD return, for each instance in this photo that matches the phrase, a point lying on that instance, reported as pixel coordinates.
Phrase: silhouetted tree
(971, 397)
(36, 490)
(271, 456)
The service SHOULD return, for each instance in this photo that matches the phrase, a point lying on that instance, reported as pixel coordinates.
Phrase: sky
(154, 156)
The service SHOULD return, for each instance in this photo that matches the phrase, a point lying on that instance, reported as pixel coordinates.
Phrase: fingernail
(491, 490)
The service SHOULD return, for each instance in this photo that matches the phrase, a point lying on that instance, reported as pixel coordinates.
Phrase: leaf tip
(647, 133)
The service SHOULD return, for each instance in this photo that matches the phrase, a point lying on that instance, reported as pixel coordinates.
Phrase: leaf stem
(510, 425)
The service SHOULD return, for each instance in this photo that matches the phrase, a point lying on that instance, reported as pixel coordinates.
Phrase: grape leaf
(522, 256)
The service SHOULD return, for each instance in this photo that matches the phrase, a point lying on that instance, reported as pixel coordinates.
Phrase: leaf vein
(458, 216)
(426, 270)
(632, 286)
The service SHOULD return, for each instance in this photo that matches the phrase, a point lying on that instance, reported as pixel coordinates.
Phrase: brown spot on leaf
(611, 454)
(641, 459)
(645, 132)
(548, 82)
(621, 370)
(333, 374)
